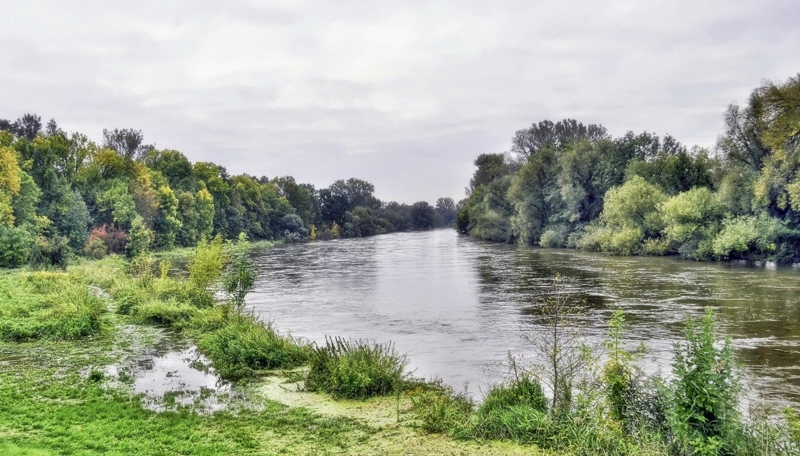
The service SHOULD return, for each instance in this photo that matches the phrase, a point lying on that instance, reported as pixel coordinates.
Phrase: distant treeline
(567, 184)
(61, 194)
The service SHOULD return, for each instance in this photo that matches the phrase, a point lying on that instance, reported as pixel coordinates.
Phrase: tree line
(62, 194)
(567, 184)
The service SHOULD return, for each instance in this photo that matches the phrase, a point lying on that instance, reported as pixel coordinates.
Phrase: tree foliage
(571, 185)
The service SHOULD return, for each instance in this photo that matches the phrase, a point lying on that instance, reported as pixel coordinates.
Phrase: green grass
(49, 305)
(241, 346)
(356, 369)
(48, 407)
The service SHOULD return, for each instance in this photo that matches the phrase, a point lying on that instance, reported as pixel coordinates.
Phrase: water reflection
(457, 306)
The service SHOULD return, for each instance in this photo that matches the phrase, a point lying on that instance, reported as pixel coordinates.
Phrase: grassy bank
(62, 331)
(57, 396)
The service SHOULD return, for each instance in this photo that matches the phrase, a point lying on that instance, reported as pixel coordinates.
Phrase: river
(457, 306)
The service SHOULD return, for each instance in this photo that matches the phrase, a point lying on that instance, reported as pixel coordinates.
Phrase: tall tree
(126, 142)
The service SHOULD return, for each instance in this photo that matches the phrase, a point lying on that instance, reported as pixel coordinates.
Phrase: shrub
(525, 391)
(516, 411)
(181, 291)
(554, 237)
(112, 237)
(244, 346)
(95, 248)
(239, 276)
(705, 390)
(140, 238)
(15, 246)
(49, 252)
(439, 409)
(655, 246)
(747, 235)
(205, 266)
(355, 369)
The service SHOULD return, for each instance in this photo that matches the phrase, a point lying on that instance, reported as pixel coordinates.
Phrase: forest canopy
(61, 194)
(567, 184)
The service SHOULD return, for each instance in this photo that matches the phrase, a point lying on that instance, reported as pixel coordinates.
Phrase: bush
(516, 411)
(139, 240)
(439, 409)
(15, 246)
(244, 346)
(705, 390)
(112, 237)
(95, 248)
(355, 369)
(554, 237)
(525, 392)
(746, 235)
(205, 266)
(52, 252)
(239, 276)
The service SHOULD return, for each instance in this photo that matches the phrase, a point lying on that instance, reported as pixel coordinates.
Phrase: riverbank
(79, 394)
(82, 392)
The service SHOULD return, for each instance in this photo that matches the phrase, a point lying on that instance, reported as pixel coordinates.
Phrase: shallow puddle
(171, 374)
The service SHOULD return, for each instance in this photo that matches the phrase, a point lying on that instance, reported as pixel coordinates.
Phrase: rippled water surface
(457, 306)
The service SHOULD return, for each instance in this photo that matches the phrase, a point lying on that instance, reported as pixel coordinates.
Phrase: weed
(355, 369)
(245, 345)
(705, 390)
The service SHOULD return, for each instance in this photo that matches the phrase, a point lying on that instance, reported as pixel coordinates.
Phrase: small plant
(205, 266)
(244, 346)
(560, 344)
(49, 252)
(95, 248)
(515, 411)
(240, 275)
(705, 390)
(167, 313)
(96, 376)
(355, 369)
(441, 410)
(164, 266)
(619, 370)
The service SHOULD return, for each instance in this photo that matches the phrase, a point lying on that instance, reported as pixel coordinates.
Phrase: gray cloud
(403, 94)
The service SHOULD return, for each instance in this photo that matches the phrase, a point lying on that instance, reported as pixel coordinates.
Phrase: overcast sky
(402, 94)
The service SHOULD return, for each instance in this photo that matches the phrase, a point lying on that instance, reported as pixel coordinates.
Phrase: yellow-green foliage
(166, 312)
(630, 217)
(205, 266)
(244, 345)
(52, 305)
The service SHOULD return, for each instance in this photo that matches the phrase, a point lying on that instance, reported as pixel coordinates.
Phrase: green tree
(490, 167)
(205, 212)
(167, 224)
(139, 239)
(10, 184)
(631, 216)
(116, 204)
(175, 167)
(692, 219)
(422, 216)
(534, 195)
(239, 276)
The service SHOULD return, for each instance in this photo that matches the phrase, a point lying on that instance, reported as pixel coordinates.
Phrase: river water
(457, 306)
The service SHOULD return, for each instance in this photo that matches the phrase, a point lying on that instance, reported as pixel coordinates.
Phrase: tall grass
(356, 369)
(243, 345)
(47, 305)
